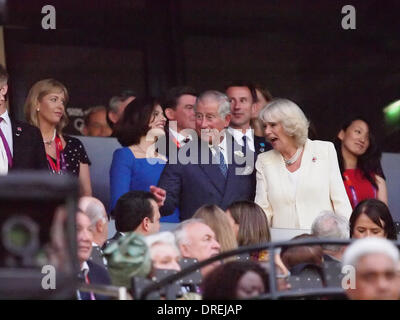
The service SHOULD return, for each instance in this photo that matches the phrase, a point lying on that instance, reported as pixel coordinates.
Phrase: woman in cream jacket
(299, 178)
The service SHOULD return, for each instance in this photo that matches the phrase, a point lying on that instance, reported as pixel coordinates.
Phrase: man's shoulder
(23, 125)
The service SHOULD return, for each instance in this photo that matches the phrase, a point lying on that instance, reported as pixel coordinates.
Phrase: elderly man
(117, 106)
(329, 225)
(96, 123)
(97, 214)
(91, 273)
(196, 240)
(243, 99)
(217, 171)
(376, 262)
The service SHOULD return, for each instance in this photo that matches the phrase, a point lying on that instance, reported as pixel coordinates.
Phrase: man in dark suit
(243, 99)
(21, 145)
(90, 273)
(178, 106)
(216, 171)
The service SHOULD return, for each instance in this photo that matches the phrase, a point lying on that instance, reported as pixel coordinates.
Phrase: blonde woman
(45, 109)
(217, 220)
(300, 177)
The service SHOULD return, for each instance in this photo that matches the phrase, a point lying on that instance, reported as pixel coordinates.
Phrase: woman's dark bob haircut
(378, 212)
(134, 122)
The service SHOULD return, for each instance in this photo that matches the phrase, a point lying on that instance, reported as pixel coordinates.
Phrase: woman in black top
(45, 108)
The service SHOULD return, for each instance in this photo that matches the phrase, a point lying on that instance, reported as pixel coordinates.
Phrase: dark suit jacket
(28, 147)
(261, 145)
(191, 185)
(96, 275)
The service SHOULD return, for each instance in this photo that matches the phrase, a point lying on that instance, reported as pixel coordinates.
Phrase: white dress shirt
(238, 136)
(5, 126)
(222, 147)
(179, 137)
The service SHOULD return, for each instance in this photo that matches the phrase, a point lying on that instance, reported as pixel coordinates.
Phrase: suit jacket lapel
(211, 170)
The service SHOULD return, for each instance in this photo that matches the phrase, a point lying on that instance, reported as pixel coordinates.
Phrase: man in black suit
(217, 170)
(90, 273)
(136, 211)
(21, 144)
(178, 106)
(243, 99)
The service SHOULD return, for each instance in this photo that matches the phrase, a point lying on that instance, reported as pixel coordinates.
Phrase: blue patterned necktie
(244, 138)
(222, 165)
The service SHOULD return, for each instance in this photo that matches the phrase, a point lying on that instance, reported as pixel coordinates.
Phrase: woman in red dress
(359, 161)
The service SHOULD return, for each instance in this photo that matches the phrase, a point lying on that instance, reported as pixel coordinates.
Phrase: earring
(37, 110)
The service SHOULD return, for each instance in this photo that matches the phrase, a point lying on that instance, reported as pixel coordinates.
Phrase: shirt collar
(85, 268)
(238, 135)
(6, 117)
(178, 136)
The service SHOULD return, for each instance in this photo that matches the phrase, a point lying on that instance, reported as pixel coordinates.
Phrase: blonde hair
(289, 114)
(35, 95)
(216, 219)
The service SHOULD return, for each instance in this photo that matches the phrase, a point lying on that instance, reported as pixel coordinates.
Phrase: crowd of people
(227, 166)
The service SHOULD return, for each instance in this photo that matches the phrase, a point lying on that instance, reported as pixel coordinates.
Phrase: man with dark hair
(21, 145)
(178, 105)
(136, 211)
(243, 98)
(96, 123)
(117, 106)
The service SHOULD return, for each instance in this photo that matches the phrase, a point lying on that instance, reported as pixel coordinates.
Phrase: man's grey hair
(181, 236)
(166, 237)
(330, 225)
(224, 106)
(367, 246)
(93, 110)
(96, 211)
(115, 102)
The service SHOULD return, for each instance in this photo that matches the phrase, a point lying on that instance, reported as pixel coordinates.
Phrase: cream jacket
(320, 187)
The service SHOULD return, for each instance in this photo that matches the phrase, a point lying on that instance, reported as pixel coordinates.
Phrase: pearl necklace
(52, 139)
(293, 159)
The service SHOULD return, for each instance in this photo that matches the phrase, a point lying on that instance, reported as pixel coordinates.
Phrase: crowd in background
(256, 168)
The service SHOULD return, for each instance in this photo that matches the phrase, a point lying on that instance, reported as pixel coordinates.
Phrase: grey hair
(181, 236)
(115, 103)
(96, 211)
(291, 117)
(92, 110)
(331, 226)
(224, 106)
(367, 246)
(166, 237)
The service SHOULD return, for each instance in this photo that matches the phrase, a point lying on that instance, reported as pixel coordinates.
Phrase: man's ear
(146, 224)
(4, 89)
(341, 135)
(170, 114)
(227, 120)
(184, 249)
(112, 116)
(99, 226)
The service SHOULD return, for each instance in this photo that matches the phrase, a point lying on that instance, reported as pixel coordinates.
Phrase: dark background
(297, 49)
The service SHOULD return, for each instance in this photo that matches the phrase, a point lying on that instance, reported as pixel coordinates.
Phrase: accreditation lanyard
(59, 165)
(92, 297)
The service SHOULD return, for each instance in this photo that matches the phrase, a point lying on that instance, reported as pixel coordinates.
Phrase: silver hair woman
(299, 178)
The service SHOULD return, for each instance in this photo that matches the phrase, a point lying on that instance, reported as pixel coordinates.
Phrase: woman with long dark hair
(359, 161)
